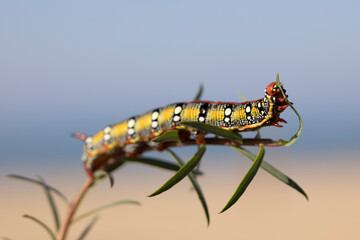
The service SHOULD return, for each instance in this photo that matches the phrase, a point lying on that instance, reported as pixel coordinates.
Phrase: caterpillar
(128, 135)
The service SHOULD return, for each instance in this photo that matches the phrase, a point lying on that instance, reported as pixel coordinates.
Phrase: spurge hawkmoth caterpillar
(126, 136)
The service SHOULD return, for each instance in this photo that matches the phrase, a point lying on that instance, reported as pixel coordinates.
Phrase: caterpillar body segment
(127, 136)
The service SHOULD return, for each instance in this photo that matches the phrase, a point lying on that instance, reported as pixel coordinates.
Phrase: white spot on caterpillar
(154, 124)
(155, 115)
(249, 118)
(247, 109)
(201, 119)
(88, 140)
(131, 123)
(107, 130)
(176, 118)
(131, 131)
(107, 137)
(178, 110)
(228, 112)
(259, 105)
(227, 119)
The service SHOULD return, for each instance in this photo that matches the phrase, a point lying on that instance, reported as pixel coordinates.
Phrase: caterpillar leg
(276, 122)
(199, 136)
(200, 139)
(156, 145)
(160, 147)
(282, 108)
(130, 150)
(184, 135)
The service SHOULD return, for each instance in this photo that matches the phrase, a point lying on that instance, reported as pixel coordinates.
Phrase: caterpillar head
(274, 95)
(273, 89)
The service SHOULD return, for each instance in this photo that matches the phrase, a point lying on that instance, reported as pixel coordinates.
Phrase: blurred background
(79, 66)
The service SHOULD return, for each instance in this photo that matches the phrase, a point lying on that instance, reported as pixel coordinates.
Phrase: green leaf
(243, 97)
(257, 136)
(99, 174)
(195, 184)
(18, 177)
(298, 133)
(272, 170)
(199, 93)
(247, 179)
(159, 163)
(41, 224)
(88, 228)
(96, 210)
(169, 136)
(183, 171)
(215, 130)
(51, 203)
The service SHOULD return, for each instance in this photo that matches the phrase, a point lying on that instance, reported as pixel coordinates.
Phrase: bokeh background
(77, 66)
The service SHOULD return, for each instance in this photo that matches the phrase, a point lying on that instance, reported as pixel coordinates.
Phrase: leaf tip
(306, 196)
(153, 194)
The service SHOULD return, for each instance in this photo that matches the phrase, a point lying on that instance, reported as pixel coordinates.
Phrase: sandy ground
(268, 210)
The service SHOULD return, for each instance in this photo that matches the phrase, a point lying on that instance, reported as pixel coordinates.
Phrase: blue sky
(78, 66)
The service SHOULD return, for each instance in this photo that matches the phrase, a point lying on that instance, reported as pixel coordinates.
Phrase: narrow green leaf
(215, 130)
(18, 177)
(243, 97)
(169, 136)
(195, 184)
(199, 93)
(281, 142)
(99, 174)
(159, 163)
(298, 133)
(183, 171)
(247, 179)
(51, 203)
(272, 170)
(41, 224)
(258, 135)
(96, 210)
(88, 228)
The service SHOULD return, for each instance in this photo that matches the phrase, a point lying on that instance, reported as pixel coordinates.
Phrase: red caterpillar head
(273, 89)
(273, 93)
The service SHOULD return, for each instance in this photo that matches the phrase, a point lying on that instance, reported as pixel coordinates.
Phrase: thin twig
(73, 207)
(218, 141)
(118, 156)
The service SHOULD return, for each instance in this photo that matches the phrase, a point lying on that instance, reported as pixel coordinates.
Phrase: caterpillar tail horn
(80, 136)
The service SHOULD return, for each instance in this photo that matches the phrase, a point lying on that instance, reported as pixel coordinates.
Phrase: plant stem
(73, 207)
(216, 141)
(108, 162)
